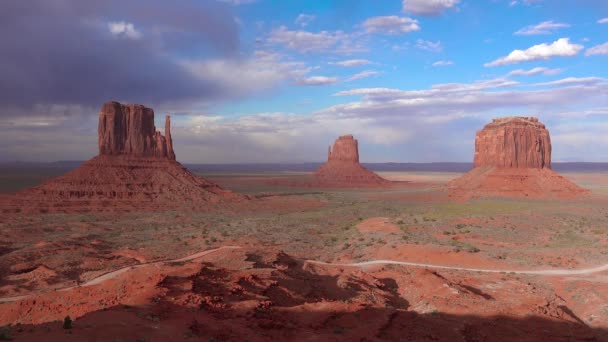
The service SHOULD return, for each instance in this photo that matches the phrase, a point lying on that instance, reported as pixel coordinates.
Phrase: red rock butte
(342, 168)
(135, 169)
(129, 130)
(513, 159)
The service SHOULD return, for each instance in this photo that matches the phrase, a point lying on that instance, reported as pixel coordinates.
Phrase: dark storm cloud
(62, 51)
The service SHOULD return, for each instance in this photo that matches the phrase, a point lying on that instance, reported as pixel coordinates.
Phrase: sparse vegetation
(67, 323)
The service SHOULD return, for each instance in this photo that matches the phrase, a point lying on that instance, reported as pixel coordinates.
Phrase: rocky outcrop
(343, 169)
(517, 142)
(346, 149)
(513, 159)
(129, 130)
(135, 170)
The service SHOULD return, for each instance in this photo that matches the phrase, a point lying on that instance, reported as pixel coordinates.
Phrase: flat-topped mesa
(513, 142)
(513, 159)
(129, 130)
(346, 148)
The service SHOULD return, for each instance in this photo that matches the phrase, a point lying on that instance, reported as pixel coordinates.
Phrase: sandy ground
(313, 264)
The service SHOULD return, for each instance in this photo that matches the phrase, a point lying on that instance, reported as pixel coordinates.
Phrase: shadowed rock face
(514, 142)
(513, 159)
(129, 130)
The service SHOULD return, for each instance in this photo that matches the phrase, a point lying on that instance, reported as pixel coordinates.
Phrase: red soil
(377, 224)
(269, 295)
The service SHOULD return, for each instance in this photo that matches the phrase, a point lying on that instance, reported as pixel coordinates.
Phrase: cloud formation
(313, 42)
(428, 8)
(317, 81)
(443, 63)
(546, 27)
(124, 29)
(535, 71)
(363, 74)
(304, 19)
(601, 49)
(391, 24)
(428, 45)
(353, 62)
(75, 52)
(559, 48)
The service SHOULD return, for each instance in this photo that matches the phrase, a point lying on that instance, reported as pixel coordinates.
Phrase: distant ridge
(312, 166)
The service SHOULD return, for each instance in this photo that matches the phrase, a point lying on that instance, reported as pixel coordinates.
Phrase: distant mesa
(342, 168)
(513, 159)
(135, 169)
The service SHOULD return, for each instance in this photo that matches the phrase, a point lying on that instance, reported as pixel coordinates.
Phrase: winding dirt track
(115, 273)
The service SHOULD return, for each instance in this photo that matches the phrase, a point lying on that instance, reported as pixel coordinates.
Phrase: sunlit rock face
(513, 142)
(342, 167)
(513, 159)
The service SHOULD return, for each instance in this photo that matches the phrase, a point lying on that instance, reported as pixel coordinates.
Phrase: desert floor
(273, 287)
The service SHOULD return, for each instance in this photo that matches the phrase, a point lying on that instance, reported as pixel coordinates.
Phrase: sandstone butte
(135, 169)
(343, 169)
(513, 159)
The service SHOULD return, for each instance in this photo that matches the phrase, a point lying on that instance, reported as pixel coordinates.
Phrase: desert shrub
(67, 322)
(5, 334)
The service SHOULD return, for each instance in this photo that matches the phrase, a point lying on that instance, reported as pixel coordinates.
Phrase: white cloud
(561, 47)
(262, 71)
(428, 45)
(391, 25)
(304, 19)
(601, 49)
(124, 29)
(535, 71)
(546, 27)
(428, 7)
(443, 63)
(272, 137)
(317, 81)
(363, 74)
(572, 81)
(448, 102)
(323, 41)
(603, 21)
(353, 62)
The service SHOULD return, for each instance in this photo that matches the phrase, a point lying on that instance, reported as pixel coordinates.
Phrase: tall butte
(135, 169)
(342, 168)
(513, 159)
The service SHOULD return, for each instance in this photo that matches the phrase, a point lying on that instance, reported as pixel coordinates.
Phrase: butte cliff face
(513, 159)
(342, 168)
(129, 130)
(135, 169)
(514, 142)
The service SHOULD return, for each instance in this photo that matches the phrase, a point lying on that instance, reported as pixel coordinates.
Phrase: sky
(258, 81)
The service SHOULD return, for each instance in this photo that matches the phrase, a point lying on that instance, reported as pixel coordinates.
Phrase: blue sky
(278, 81)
